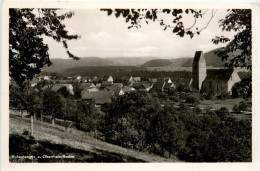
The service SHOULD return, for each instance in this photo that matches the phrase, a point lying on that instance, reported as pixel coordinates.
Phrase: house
(86, 85)
(127, 79)
(118, 85)
(158, 86)
(167, 80)
(92, 89)
(104, 84)
(59, 86)
(116, 90)
(136, 79)
(128, 89)
(142, 86)
(168, 86)
(33, 83)
(214, 81)
(78, 77)
(47, 77)
(100, 97)
(153, 80)
(107, 78)
(98, 85)
(85, 79)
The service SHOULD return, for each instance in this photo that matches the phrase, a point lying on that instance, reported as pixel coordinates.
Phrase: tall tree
(27, 51)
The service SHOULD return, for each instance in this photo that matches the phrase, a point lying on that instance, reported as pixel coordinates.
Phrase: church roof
(197, 56)
(219, 74)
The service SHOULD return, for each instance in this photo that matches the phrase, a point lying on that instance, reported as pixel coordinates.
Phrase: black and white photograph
(130, 84)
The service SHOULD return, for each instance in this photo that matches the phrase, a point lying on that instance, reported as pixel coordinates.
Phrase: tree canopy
(27, 51)
(238, 20)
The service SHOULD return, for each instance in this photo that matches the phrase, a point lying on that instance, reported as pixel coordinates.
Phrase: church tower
(199, 72)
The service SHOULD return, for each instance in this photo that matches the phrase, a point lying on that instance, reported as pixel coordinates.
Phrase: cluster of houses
(103, 89)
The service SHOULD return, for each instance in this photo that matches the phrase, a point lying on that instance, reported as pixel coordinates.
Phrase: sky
(107, 36)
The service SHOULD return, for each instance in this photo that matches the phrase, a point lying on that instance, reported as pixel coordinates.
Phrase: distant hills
(60, 65)
(157, 63)
(212, 60)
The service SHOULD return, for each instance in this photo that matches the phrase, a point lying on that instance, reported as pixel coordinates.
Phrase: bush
(236, 108)
(25, 132)
(243, 106)
(192, 100)
(223, 113)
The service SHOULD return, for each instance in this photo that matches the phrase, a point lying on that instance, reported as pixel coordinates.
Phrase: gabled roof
(118, 85)
(137, 78)
(114, 89)
(100, 97)
(68, 87)
(106, 83)
(153, 80)
(136, 85)
(158, 85)
(219, 74)
(86, 85)
(168, 85)
(146, 85)
(128, 89)
(197, 56)
(126, 78)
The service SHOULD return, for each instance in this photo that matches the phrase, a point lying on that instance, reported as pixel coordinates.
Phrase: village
(204, 83)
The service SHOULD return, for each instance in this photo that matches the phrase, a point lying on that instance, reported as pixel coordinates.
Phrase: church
(211, 81)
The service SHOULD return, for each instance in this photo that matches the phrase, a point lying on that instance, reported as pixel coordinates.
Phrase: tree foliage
(138, 121)
(177, 25)
(27, 51)
(238, 20)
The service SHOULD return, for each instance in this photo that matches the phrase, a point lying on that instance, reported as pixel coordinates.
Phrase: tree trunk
(31, 125)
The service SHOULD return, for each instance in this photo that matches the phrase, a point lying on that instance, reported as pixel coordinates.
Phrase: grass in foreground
(55, 140)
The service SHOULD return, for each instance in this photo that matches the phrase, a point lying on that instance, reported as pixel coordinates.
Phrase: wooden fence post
(31, 125)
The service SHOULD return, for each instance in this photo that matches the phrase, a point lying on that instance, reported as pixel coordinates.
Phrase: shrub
(222, 113)
(192, 100)
(243, 106)
(25, 131)
(236, 108)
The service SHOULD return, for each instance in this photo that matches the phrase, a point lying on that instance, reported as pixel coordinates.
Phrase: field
(228, 103)
(169, 68)
(54, 140)
(216, 104)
